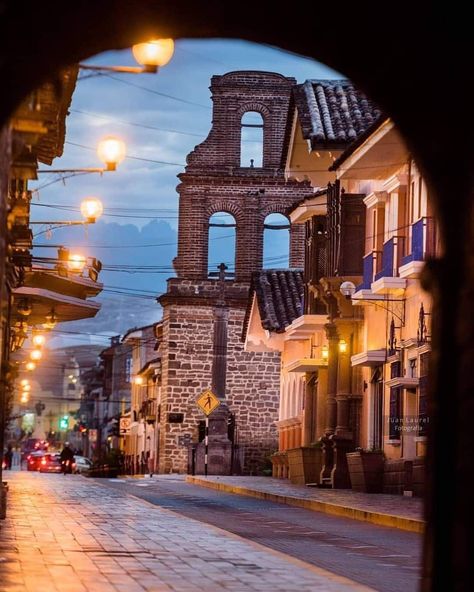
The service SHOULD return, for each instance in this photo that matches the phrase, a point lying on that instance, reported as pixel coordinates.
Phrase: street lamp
(76, 263)
(111, 150)
(36, 355)
(51, 321)
(325, 352)
(30, 366)
(154, 54)
(39, 340)
(91, 208)
(138, 380)
(24, 398)
(150, 55)
(342, 346)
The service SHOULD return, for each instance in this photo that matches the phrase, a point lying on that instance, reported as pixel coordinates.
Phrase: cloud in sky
(157, 128)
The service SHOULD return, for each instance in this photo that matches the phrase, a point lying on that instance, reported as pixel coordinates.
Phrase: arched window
(276, 241)
(222, 231)
(251, 147)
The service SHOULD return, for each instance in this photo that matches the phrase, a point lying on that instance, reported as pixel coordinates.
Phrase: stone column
(219, 362)
(309, 410)
(331, 404)
(320, 403)
(344, 385)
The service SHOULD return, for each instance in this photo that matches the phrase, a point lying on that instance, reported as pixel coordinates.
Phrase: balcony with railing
(387, 280)
(422, 246)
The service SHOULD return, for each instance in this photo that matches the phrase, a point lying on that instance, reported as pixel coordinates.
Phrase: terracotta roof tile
(279, 295)
(333, 113)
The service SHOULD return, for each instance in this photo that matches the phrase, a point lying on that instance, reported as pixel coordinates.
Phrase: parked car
(33, 460)
(83, 464)
(50, 463)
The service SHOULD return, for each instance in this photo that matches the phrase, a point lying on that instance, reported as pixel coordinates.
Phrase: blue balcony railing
(423, 240)
(371, 263)
(391, 256)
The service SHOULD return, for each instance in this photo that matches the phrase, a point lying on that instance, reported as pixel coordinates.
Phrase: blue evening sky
(170, 113)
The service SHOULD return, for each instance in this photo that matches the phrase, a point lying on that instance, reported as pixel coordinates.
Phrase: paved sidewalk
(70, 534)
(387, 510)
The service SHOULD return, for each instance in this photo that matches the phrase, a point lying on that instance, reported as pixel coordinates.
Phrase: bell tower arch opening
(221, 242)
(251, 140)
(276, 241)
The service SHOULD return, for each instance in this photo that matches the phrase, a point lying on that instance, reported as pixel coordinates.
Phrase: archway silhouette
(402, 74)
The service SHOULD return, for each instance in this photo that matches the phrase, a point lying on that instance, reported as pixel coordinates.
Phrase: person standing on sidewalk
(8, 456)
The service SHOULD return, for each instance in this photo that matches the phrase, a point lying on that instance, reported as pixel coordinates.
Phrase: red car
(50, 463)
(33, 460)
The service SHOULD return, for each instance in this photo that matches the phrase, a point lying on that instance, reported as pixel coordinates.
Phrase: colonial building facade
(217, 180)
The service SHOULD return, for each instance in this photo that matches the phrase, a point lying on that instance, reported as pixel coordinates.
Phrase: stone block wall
(252, 392)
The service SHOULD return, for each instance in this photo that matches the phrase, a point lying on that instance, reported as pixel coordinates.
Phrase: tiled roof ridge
(333, 111)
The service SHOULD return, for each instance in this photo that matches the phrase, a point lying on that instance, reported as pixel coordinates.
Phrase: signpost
(124, 425)
(207, 402)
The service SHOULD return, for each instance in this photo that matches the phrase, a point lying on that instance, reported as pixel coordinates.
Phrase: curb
(379, 518)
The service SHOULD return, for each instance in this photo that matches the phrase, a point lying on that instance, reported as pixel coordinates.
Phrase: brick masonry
(213, 182)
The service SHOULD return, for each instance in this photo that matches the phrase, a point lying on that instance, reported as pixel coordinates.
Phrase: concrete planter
(305, 464)
(279, 465)
(366, 471)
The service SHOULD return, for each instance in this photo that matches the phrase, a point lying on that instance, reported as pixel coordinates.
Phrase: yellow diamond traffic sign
(207, 402)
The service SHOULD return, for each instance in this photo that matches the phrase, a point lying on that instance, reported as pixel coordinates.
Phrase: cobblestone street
(69, 534)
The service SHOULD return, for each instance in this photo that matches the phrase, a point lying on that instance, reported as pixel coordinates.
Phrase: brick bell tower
(214, 181)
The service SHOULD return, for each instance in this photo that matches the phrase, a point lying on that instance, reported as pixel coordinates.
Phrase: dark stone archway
(416, 65)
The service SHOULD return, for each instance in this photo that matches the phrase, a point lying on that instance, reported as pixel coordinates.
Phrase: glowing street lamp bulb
(76, 263)
(154, 54)
(111, 151)
(325, 352)
(138, 380)
(24, 381)
(30, 366)
(26, 388)
(39, 340)
(24, 398)
(91, 209)
(343, 346)
(36, 354)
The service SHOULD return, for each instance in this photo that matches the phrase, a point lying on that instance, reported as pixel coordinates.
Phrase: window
(251, 146)
(276, 241)
(222, 237)
(395, 419)
(128, 370)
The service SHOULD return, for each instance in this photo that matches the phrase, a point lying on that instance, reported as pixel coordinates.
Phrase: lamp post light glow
(91, 209)
(36, 354)
(153, 54)
(325, 352)
(51, 321)
(26, 388)
(24, 398)
(342, 346)
(30, 366)
(138, 380)
(76, 263)
(38, 340)
(24, 381)
(111, 151)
